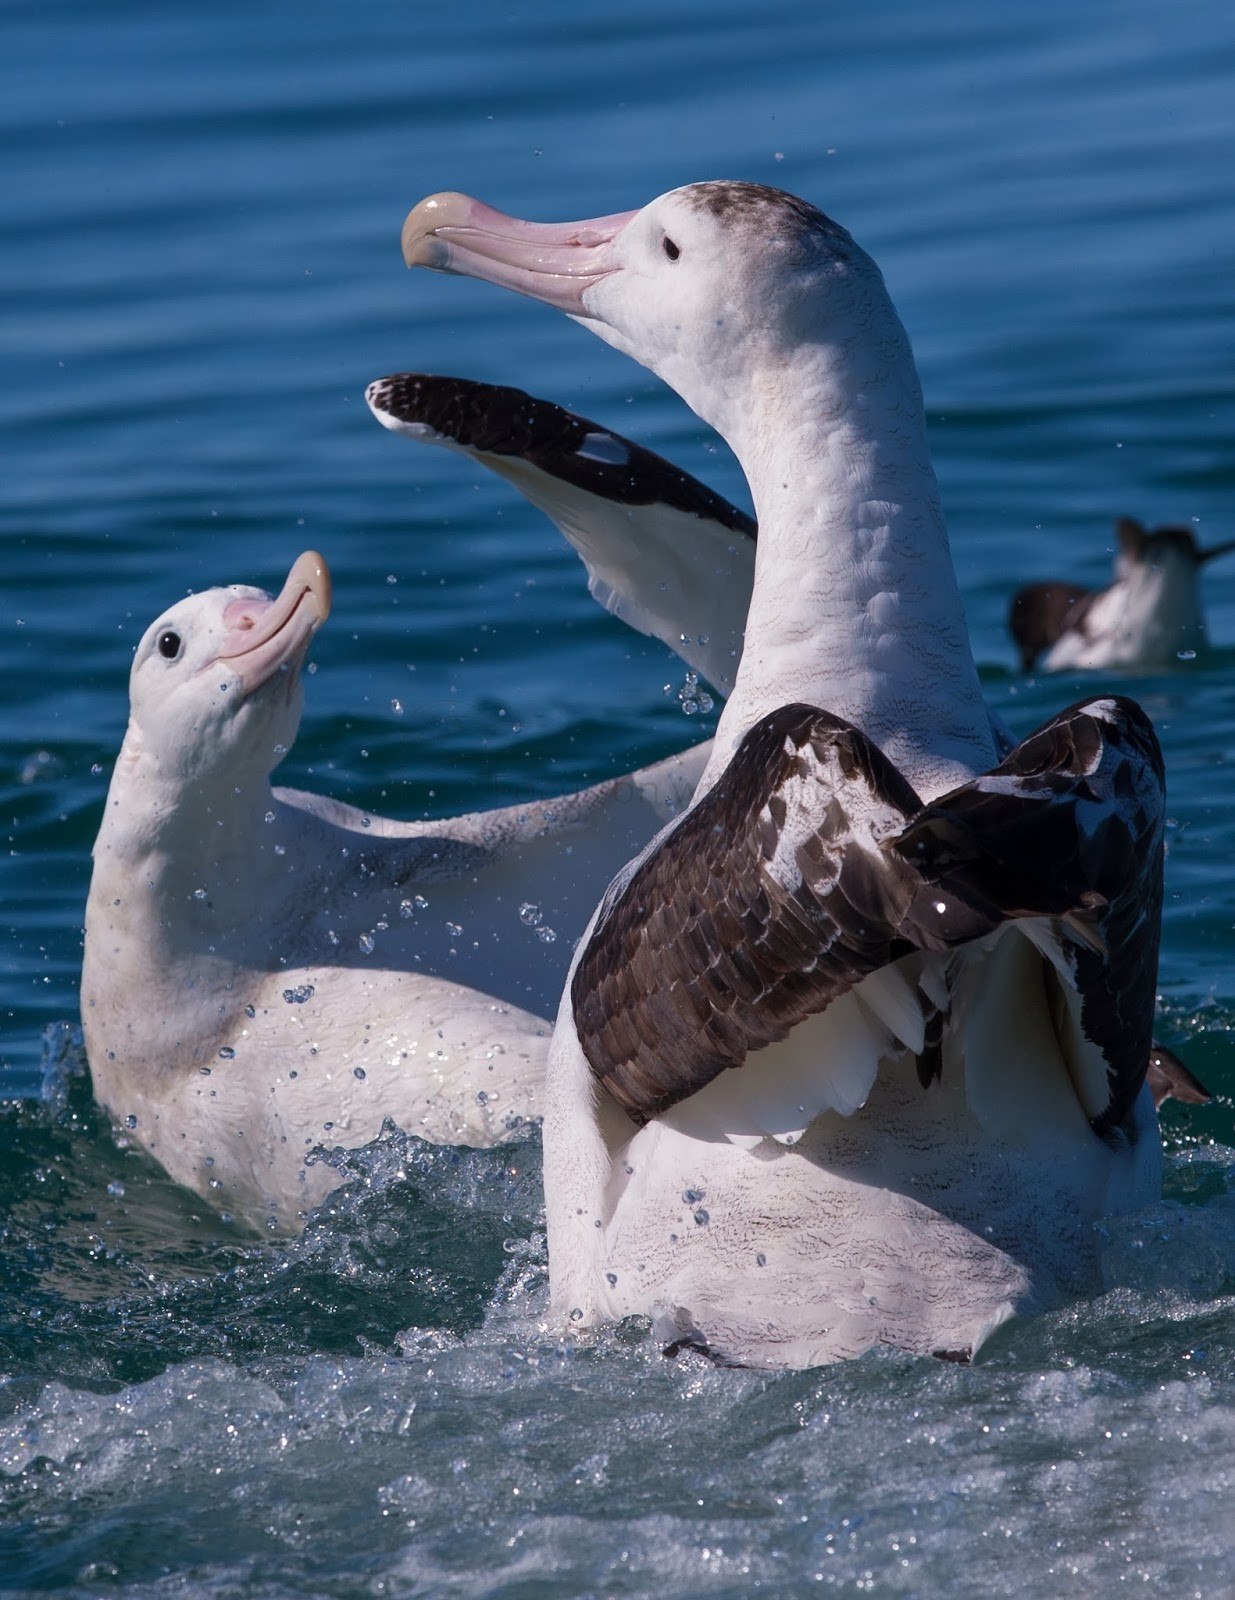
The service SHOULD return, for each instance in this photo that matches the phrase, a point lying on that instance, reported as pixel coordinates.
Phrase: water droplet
(367, 943)
(270, 816)
(115, 1187)
(359, 1072)
(280, 750)
(454, 929)
(1186, 655)
(95, 769)
(611, 1279)
(227, 1053)
(397, 707)
(250, 1011)
(701, 1217)
(332, 936)
(546, 935)
(199, 894)
(691, 1197)
(761, 1260)
(298, 995)
(130, 1121)
(576, 1315)
(694, 699)
(941, 906)
(205, 1071)
(529, 914)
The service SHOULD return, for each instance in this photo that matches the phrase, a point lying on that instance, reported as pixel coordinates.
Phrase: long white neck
(171, 856)
(855, 607)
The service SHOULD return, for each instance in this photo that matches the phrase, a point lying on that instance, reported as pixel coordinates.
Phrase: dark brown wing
(1071, 824)
(772, 897)
(812, 863)
(1041, 612)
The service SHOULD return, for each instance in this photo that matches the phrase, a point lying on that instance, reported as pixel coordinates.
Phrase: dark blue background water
(199, 272)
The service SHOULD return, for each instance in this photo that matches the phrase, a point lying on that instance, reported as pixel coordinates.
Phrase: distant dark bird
(1148, 617)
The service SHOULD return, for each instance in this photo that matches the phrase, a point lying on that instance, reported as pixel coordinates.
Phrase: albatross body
(267, 971)
(1150, 615)
(854, 1051)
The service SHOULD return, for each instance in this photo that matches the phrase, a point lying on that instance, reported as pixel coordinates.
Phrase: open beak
(556, 262)
(264, 635)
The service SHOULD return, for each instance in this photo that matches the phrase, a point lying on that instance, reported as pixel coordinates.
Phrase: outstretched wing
(812, 863)
(663, 552)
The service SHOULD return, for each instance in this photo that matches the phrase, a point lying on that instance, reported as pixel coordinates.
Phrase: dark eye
(670, 249)
(170, 644)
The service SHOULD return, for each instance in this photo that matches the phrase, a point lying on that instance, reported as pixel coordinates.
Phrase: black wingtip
(497, 420)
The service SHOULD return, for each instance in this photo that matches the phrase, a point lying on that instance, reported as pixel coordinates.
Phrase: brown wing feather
(726, 937)
(812, 863)
(1086, 794)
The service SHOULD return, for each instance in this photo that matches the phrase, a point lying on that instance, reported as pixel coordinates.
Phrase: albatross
(854, 1051)
(267, 971)
(1150, 615)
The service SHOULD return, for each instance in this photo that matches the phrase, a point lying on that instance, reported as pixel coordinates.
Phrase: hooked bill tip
(420, 248)
(311, 570)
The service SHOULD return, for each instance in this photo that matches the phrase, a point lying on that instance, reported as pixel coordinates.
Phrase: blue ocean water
(199, 273)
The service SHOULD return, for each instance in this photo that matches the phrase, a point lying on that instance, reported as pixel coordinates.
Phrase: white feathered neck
(856, 607)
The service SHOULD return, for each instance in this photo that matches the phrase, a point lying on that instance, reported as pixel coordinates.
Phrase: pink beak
(262, 635)
(557, 262)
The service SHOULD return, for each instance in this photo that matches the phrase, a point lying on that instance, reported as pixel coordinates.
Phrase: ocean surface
(199, 273)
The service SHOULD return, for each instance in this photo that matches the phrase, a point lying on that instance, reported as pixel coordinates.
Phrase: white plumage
(747, 1137)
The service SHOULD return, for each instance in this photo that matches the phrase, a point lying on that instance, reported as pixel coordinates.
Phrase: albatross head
(215, 685)
(714, 286)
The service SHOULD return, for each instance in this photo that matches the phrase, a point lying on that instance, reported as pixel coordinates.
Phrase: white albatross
(267, 971)
(1149, 615)
(854, 1052)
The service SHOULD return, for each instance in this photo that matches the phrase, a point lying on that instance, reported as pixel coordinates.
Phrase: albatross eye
(170, 644)
(670, 249)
